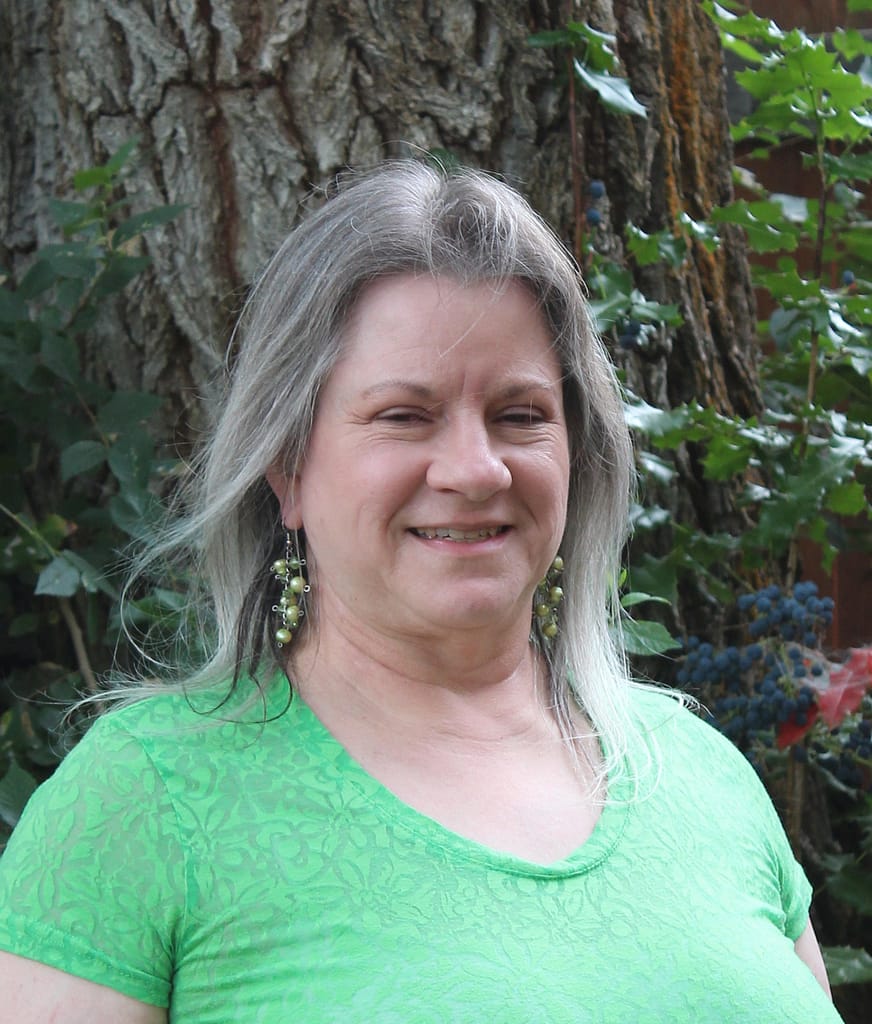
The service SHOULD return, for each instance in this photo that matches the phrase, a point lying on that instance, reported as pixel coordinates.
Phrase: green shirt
(255, 873)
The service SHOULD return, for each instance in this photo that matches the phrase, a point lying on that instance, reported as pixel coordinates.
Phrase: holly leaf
(846, 965)
(614, 92)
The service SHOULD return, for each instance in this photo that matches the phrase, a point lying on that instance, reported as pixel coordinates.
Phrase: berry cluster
(596, 190)
(766, 691)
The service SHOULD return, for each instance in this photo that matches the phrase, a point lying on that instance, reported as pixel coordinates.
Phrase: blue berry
(596, 189)
(593, 217)
(848, 278)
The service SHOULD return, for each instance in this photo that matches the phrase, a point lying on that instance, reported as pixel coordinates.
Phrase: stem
(575, 160)
(814, 350)
(795, 799)
(28, 529)
(818, 263)
(73, 628)
(75, 631)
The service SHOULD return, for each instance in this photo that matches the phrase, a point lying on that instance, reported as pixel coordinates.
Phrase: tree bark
(244, 108)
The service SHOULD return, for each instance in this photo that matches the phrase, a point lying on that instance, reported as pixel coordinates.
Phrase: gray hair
(410, 217)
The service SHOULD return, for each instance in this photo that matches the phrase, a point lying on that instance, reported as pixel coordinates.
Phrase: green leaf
(12, 307)
(59, 354)
(859, 5)
(73, 217)
(80, 457)
(845, 964)
(118, 272)
(634, 597)
(847, 499)
(130, 459)
(16, 788)
(142, 222)
(656, 576)
(58, 579)
(655, 467)
(644, 637)
(92, 578)
(648, 249)
(853, 885)
(786, 325)
(134, 512)
(39, 278)
(794, 208)
(614, 92)
(599, 48)
(125, 410)
(91, 177)
(848, 167)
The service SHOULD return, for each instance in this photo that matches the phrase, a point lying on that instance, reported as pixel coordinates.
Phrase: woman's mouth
(460, 536)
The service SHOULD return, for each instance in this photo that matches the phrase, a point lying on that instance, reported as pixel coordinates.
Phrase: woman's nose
(465, 460)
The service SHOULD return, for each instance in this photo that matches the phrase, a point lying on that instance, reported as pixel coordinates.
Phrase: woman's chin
(473, 614)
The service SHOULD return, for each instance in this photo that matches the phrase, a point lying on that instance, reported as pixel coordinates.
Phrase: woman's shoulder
(164, 726)
(237, 701)
(692, 755)
(676, 727)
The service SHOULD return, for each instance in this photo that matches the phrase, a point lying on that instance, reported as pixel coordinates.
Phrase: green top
(255, 873)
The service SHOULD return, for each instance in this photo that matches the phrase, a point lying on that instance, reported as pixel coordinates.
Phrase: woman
(431, 794)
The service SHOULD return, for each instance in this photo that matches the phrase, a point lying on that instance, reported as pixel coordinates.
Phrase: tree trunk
(243, 108)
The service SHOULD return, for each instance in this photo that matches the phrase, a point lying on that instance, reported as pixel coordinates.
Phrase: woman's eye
(523, 416)
(403, 416)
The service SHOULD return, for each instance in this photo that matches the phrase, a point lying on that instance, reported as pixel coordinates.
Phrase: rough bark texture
(244, 107)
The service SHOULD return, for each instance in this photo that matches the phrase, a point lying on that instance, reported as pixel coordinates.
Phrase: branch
(75, 631)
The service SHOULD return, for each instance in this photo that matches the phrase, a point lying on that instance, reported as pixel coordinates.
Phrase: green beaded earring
(288, 571)
(548, 596)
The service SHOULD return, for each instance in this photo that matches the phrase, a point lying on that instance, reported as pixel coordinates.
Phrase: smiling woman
(433, 493)
(414, 782)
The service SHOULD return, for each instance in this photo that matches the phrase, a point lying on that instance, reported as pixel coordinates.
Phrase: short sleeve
(790, 904)
(93, 879)
(795, 888)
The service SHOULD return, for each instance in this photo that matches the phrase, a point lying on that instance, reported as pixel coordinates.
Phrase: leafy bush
(78, 473)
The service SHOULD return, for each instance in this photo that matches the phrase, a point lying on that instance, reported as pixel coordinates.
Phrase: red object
(847, 686)
(789, 732)
(845, 691)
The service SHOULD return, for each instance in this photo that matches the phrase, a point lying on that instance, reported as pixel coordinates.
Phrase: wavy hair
(408, 217)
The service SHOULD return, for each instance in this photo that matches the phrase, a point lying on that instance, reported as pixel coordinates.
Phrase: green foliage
(77, 466)
(805, 462)
(594, 64)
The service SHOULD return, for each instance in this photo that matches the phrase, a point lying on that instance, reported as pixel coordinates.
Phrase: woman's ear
(286, 489)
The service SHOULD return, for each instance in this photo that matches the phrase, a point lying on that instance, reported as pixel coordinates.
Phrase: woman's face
(433, 494)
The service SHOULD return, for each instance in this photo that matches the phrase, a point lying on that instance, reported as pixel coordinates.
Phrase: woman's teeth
(443, 533)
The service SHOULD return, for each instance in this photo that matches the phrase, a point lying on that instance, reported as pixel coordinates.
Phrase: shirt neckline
(594, 851)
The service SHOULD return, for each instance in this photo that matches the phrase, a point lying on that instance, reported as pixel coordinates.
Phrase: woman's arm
(34, 994)
(808, 950)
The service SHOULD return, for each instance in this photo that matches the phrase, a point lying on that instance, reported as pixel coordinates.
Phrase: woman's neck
(466, 687)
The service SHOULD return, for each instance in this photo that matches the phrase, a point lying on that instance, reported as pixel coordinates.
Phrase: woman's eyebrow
(396, 384)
